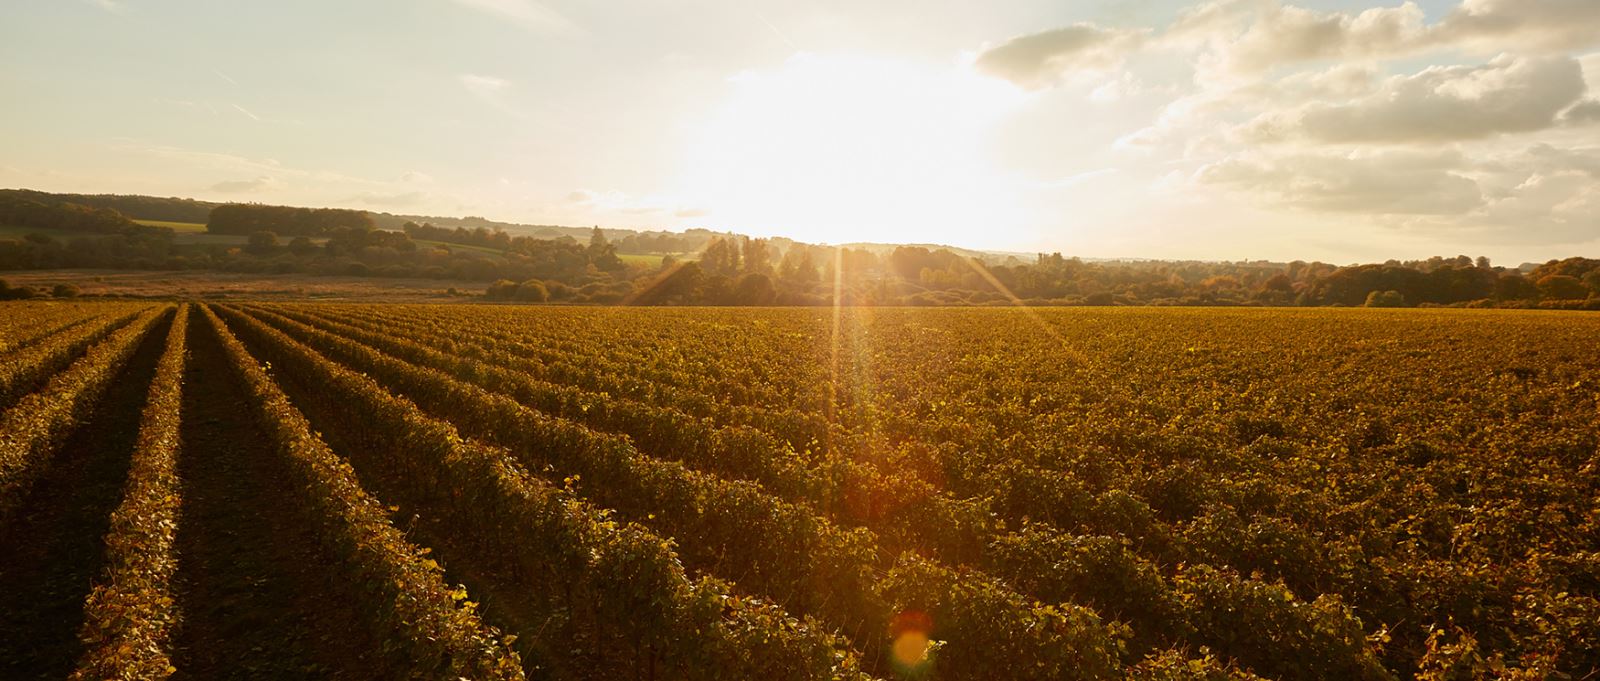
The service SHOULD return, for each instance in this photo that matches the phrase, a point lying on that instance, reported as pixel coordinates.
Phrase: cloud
(492, 90)
(1582, 113)
(1528, 25)
(410, 198)
(1386, 183)
(246, 112)
(1077, 179)
(1284, 33)
(112, 6)
(526, 13)
(1041, 59)
(261, 183)
(1543, 158)
(483, 86)
(623, 203)
(1441, 103)
(1245, 38)
(1540, 195)
(416, 177)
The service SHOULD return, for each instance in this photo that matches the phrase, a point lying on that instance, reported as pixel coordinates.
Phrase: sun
(836, 149)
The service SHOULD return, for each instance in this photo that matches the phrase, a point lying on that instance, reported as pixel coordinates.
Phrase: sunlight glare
(840, 149)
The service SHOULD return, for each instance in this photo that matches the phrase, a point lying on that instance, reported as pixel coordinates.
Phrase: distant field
(176, 226)
(463, 248)
(1075, 493)
(651, 260)
(213, 285)
(187, 233)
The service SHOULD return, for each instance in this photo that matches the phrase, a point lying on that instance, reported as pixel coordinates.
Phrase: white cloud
(618, 202)
(246, 112)
(491, 90)
(260, 183)
(526, 13)
(395, 199)
(483, 86)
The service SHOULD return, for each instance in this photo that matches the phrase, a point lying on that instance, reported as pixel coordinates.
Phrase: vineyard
(499, 492)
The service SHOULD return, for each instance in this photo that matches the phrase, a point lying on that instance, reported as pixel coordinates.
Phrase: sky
(1220, 130)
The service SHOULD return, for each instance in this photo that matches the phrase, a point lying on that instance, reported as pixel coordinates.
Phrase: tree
(797, 265)
(1385, 299)
(262, 242)
(1562, 287)
(64, 291)
(533, 291)
(501, 290)
(757, 256)
(1592, 280)
(1514, 287)
(720, 258)
(302, 246)
(754, 288)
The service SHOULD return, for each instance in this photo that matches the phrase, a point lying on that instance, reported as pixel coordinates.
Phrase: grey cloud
(1285, 33)
(1548, 159)
(1582, 113)
(1543, 194)
(1394, 183)
(1254, 36)
(1526, 24)
(1281, 34)
(1040, 59)
(1507, 95)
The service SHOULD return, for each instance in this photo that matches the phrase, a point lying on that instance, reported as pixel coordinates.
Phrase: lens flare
(911, 648)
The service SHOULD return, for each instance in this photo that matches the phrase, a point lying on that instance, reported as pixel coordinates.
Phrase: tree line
(736, 270)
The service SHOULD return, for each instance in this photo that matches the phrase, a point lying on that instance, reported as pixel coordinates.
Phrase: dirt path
(258, 598)
(53, 550)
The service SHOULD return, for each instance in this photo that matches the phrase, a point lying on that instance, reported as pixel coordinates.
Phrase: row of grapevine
(131, 611)
(25, 369)
(904, 512)
(1098, 571)
(30, 321)
(38, 423)
(766, 544)
(594, 372)
(663, 356)
(543, 536)
(430, 627)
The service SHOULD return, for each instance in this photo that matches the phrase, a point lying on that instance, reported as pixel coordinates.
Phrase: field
(180, 227)
(213, 285)
(339, 490)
